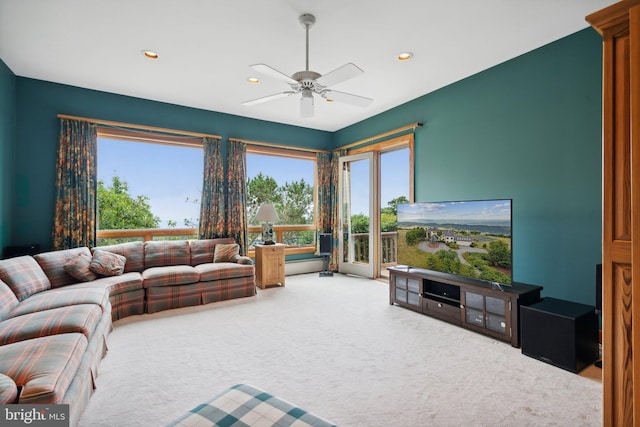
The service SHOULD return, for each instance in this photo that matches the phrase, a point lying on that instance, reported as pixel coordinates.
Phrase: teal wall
(530, 130)
(7, 137)
(39, 103)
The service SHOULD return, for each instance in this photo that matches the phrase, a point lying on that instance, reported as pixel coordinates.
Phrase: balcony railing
(144, 234)
(282, 233)
(389, 247)
(389, 239)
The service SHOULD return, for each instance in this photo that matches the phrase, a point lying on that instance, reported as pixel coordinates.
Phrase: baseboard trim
(303, 266)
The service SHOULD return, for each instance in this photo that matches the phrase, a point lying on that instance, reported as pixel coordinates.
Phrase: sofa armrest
(244, 260)
(8, 390)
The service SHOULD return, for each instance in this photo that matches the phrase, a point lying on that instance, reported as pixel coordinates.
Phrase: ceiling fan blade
(268, 98)
(273, 73)
(347, 98)
(339, 75)
(306, 105)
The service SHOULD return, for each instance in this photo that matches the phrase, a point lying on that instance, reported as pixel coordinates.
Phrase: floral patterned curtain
(212, 208)
(335, 214)
(324, 207)
(74, 222)
(237, 194)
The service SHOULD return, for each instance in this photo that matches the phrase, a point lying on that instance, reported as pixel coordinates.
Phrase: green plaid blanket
(245, 406)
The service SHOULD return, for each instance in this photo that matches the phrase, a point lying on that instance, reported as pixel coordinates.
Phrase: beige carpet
(335, 347)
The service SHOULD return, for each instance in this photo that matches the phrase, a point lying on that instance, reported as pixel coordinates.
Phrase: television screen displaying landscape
(468, 238)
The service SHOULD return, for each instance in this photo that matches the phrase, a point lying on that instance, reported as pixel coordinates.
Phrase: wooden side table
(269, 265)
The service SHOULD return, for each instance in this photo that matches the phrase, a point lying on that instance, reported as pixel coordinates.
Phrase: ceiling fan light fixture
(308, 82)
(306, 103)
(405, 56)
(151, 54)
(307, 93)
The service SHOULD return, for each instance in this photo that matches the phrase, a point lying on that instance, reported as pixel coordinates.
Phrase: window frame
(293, 153)
(150, 137)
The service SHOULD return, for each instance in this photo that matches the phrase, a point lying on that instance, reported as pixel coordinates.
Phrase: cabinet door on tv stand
(487, 313)
(405, 291)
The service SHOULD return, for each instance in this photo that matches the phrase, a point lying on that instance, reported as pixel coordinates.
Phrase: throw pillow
(78, 267)
(24, 276)
(226, 252)
(107, 263)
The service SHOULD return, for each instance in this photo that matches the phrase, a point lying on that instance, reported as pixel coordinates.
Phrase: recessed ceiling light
(329, 99)
(253, 80)
(150, 54)
(405, 56)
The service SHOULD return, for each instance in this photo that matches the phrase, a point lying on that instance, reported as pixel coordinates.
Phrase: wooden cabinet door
(274, 267)
(619, 26)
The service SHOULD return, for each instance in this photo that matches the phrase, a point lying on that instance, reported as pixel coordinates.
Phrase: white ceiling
(206, 47)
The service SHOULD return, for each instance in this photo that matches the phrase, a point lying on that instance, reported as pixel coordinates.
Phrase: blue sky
(167, 174)
(394, 180)
(171, 175)
(478, 210)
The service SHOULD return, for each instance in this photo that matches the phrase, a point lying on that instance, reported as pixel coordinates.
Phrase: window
(148, 182)
(287, 179)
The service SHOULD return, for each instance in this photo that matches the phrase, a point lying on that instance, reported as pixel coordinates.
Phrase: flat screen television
(470, 238)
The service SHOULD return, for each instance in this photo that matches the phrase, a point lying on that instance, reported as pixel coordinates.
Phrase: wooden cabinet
(478, 305)
(406, 292)
(619, 25)
(269, 265)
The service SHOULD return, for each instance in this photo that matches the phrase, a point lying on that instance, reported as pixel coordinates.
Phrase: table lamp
(267, 215)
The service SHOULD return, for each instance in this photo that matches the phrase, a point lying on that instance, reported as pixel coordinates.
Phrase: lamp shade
(267, 213)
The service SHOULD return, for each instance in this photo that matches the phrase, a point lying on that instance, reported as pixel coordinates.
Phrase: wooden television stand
(481, 306)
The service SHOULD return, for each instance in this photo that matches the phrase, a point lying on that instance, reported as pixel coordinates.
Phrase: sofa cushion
(168, 276)
(8, 300)
(8, 390)
(43, 367)
(161, 253)
(202, 250)
(224, 270)
(229, 252)
(24, 276)
(63, 297)
(114, 285)
(78, 268)
(132, 251)
(81, 318)
(52, 263)
(107, 263)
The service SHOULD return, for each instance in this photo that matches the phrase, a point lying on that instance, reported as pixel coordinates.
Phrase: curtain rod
(272, 145)
(380, 135)
(139, 127)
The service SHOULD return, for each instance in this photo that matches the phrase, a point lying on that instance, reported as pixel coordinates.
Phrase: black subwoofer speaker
(561, 333)
(325, 243)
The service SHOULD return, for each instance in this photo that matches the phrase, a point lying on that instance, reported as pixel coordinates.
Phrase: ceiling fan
(309, 82)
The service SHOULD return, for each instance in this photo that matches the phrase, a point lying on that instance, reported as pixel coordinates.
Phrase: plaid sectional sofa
(54, 327)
